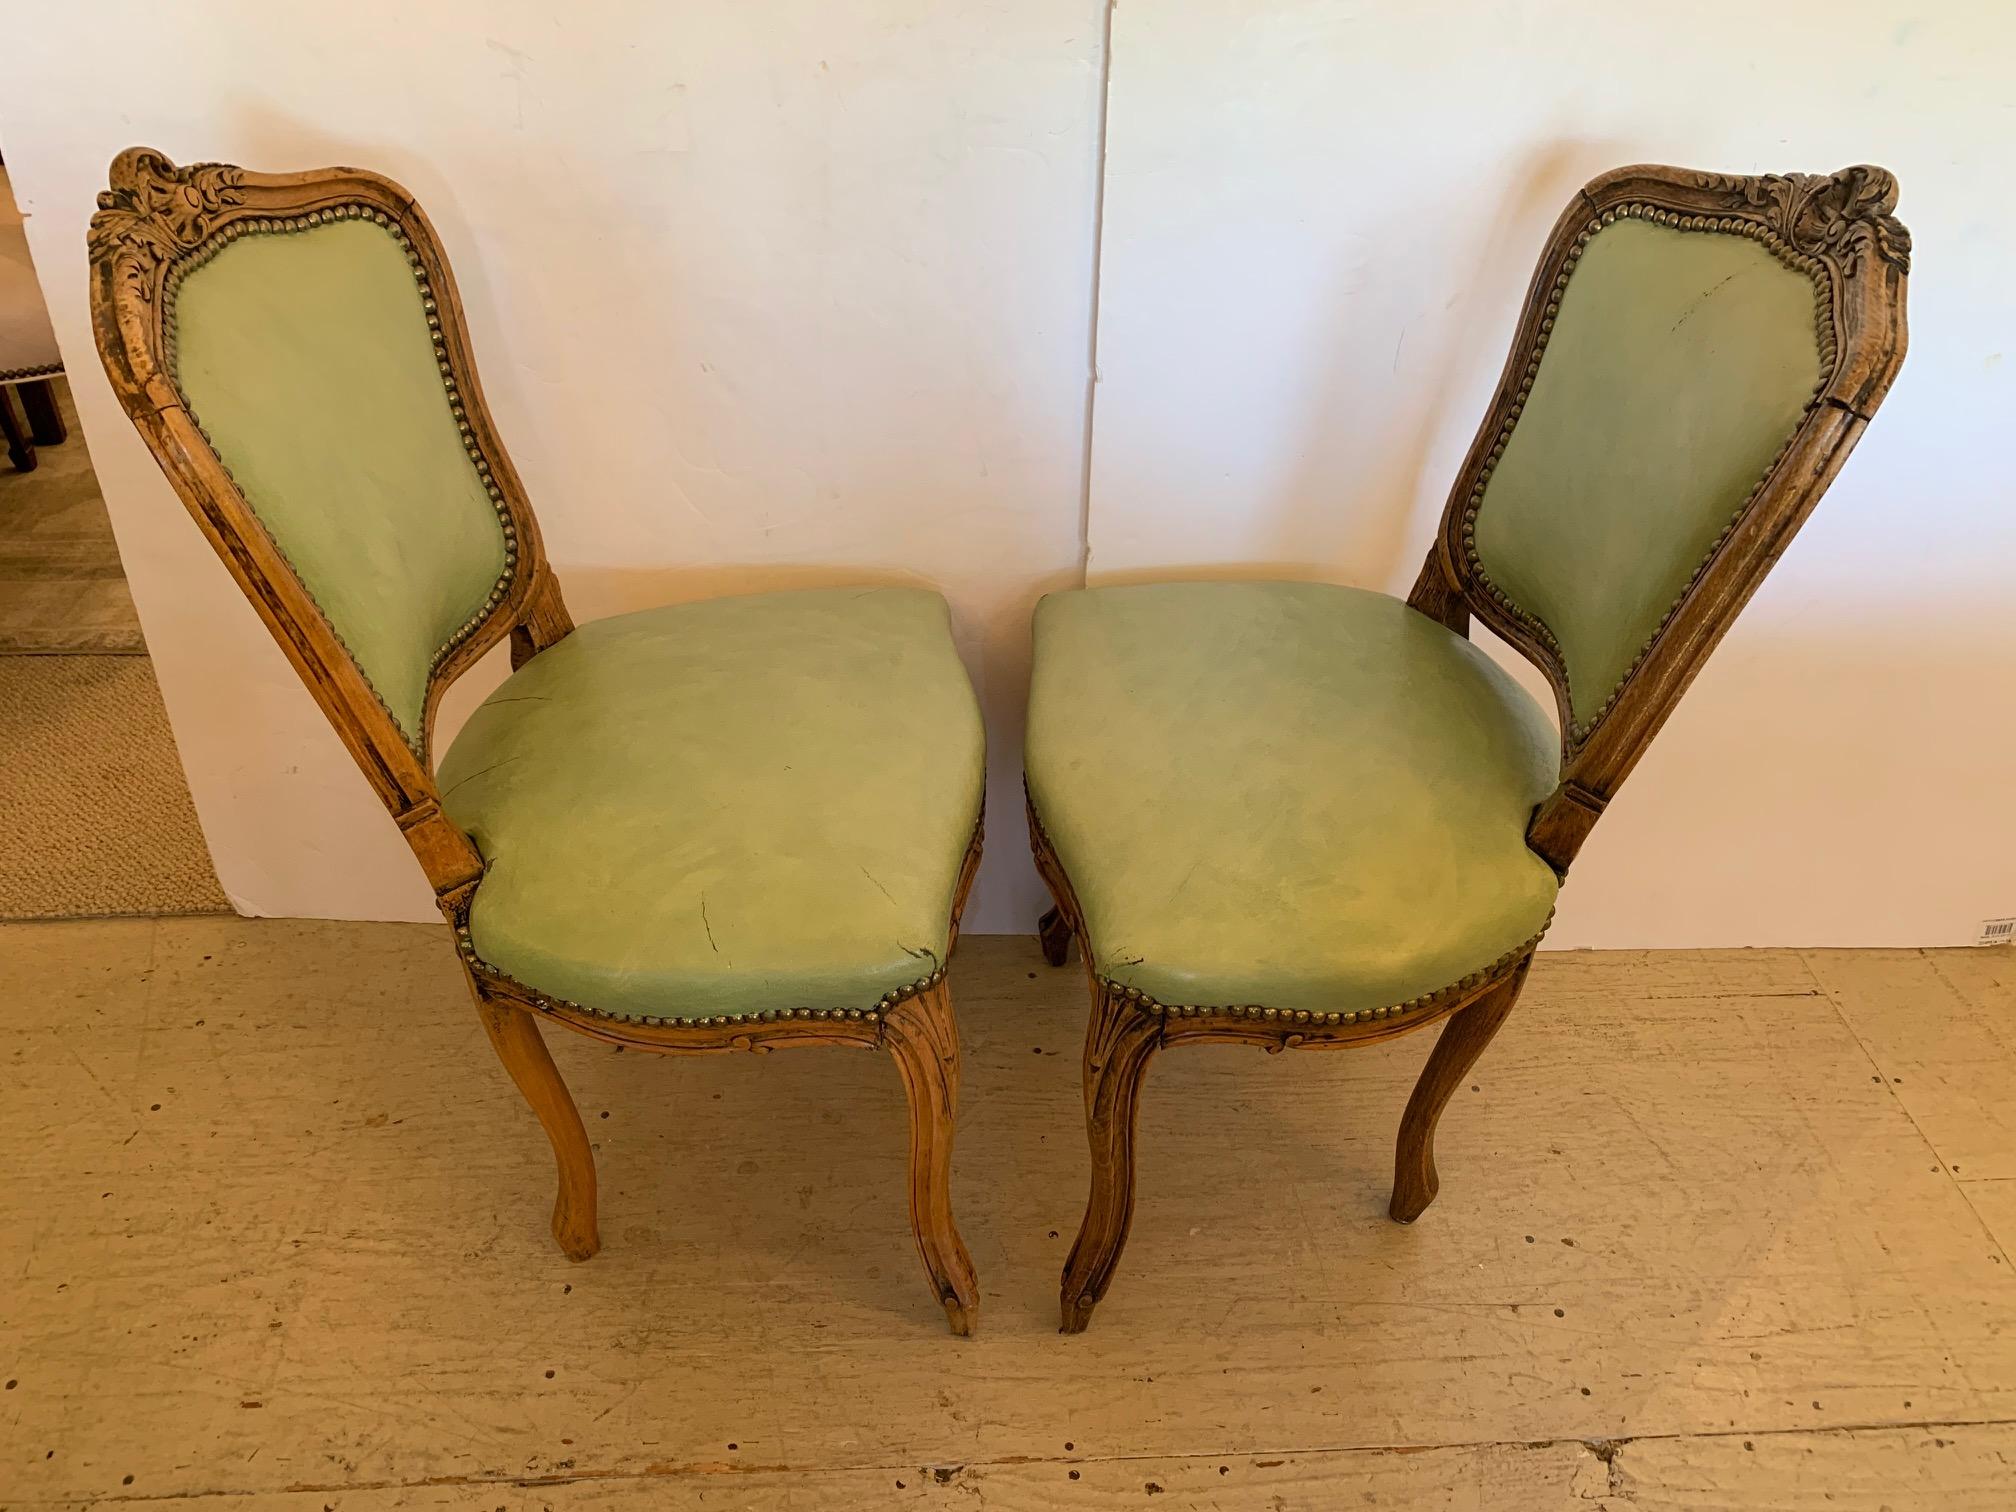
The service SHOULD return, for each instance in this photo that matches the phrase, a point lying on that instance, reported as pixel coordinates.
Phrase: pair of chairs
(1279, 814)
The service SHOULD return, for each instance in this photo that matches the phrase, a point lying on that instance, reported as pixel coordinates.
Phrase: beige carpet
(61, 587)
(94, 811)
(95, 816)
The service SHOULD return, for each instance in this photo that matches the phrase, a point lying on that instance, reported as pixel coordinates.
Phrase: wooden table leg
(45, 416)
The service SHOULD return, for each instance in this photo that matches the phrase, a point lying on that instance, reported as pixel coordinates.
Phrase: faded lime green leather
(1680, 364)
(727, 806)
(305, 357)
(1286, 794)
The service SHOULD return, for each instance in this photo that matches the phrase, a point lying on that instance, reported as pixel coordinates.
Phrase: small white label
(1997, 931)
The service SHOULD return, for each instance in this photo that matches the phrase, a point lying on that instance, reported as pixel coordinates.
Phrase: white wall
(783, 293)
(1320, 216)
(764, 295)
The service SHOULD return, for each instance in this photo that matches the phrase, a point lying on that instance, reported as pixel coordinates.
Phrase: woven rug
(61, 587)
(93, 806)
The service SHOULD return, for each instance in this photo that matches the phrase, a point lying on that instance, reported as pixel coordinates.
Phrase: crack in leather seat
(1289, 794)
(725, 807)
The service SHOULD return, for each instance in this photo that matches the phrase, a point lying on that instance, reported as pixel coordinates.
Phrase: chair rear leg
(922, 1035)
(515, 1034)
(1053, 932)
(1463, 1039)
(1119, 1043)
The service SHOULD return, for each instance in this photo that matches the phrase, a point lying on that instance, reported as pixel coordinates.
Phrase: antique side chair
(1292, 814)
(731, 825)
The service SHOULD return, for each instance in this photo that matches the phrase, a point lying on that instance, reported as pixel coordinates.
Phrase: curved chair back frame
(1839, 229)
(156, 222)
(1835, 229)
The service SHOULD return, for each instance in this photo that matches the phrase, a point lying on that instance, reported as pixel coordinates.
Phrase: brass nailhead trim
(30, 374)
(1148, 1004)
(1728, 225)
(269, 225)
(466, 947)
(1256, 1011)
(883, 1004)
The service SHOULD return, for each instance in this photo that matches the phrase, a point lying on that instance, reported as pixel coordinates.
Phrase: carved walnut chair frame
(156, 222)
(1837, 229)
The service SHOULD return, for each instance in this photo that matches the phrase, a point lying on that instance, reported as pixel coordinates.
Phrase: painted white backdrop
(1320, 216)
(768, 294)
(796, 292)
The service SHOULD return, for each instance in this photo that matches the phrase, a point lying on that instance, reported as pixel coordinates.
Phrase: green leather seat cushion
(725, 807)
(1294, 795)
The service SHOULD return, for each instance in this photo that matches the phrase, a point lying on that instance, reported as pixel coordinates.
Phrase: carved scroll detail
(154, 212)
(154, 204)
(1837, 215)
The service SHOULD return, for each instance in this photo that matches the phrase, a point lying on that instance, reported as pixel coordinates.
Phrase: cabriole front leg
(1119, 1042)
(1464, 1036)
(924, 1039)
(515, 1034)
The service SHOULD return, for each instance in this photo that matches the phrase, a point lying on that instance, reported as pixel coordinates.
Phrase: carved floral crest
(158, 209)
(1839, 215)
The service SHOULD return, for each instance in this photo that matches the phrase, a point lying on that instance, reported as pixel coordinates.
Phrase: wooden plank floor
(1717, 1230)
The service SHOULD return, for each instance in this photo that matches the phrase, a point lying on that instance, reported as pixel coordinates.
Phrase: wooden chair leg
(1119, 1042)
(45, 419)
(515, 1033)
(1055, 936)
(923, 1037)
(1463, 1039)
(20, 448)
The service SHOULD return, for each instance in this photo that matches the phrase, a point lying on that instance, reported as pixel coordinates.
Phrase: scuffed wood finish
(155, 218)
(1119, 1043)
(1955, 1083)
(1960, 1468)
(922, 1035)
(1954, 1467)
(1435, 596)
(1463, 1038)
(545, 620)
(1757, 1226)
(514, 1034)
(1841, 226)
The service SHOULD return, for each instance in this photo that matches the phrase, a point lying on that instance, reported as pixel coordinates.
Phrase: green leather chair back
(306, 358)
(1678, 369)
